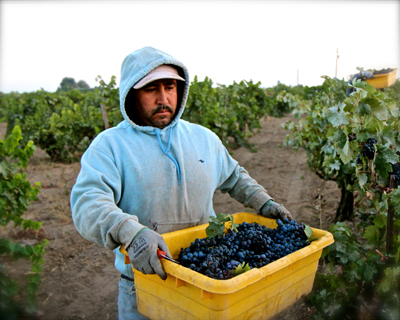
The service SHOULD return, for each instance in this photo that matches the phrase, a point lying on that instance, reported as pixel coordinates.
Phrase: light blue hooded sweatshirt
(135, 176)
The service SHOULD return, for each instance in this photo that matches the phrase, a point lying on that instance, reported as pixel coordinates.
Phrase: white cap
(161, 72)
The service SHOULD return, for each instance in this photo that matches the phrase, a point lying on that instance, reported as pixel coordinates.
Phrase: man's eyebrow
(151, 84)
(170, 81)
(167, 82)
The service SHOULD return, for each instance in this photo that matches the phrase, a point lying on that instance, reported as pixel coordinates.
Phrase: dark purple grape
(253, 244)
(352, 136)
(368, 149)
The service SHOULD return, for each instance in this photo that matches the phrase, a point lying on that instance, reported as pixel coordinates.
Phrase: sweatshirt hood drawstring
(167, 154)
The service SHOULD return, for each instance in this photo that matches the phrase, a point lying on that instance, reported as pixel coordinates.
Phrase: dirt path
(79, 278)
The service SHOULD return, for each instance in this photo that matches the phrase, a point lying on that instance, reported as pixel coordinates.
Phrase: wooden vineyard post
(390, 216)
(104, 113)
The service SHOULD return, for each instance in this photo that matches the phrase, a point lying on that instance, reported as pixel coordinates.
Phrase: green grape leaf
(370, 270)
(389, 155)
(216, 225)
(3, 170)
(363, 109)
(370, 89)
(391, 104)
(362, 179)
(386, 283)
(344, 259)
(380, 221)
(378, 109)
(335, 166)
(214, 229)
(388, 135)
(374, 124)
(241, 268)
(371, 234)
(382, 167)
(340, 137)
(234, 226)
(396, 198)
(346, 153)
(309, 233)
(336, 115)
(222, 217)
(340, 247)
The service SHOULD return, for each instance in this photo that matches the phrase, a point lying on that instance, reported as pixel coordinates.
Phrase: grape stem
(320, 209)
(373, 174)
(383, 256)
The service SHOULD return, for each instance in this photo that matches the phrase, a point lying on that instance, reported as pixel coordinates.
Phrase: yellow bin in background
(383, 80)
(259, 293)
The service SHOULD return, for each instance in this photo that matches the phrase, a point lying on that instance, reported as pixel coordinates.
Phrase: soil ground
(79, 278)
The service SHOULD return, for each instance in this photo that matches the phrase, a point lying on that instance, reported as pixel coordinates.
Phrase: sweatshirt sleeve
(94, 200)
(235, 180)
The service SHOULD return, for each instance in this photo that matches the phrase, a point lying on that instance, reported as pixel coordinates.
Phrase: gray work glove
(275, 211)
(143, 252)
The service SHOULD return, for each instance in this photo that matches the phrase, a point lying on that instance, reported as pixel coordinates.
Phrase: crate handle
(180, 283)
(205, 294)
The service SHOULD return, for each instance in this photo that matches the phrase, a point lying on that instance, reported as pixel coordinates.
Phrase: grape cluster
(358, 160)
(369, 149)
(383, 71)
(253, 244)
(352, 136)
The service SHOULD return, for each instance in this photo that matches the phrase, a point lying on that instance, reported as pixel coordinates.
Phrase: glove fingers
(276, 214)
(157, 267)
(289, 216)
(285, 214)
(147, 268)
(163, 246)
(282, 213)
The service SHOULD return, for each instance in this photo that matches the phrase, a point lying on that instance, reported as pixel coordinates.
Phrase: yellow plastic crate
(259, 293)
(384, 80)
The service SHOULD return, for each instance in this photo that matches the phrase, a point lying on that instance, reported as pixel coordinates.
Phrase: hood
(137, 65)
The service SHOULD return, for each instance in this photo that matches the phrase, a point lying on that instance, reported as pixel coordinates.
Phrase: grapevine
(16, 193)
(64, 123)
(353, 141)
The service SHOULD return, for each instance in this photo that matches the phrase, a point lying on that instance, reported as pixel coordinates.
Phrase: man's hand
(275, 211)
(143, 252)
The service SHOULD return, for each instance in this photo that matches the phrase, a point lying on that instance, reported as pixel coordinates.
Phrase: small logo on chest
(201, 160)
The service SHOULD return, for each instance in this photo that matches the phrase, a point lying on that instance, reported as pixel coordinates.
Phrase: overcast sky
(42, 42)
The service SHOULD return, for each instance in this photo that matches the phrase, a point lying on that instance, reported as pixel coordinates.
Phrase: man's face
(156, 102)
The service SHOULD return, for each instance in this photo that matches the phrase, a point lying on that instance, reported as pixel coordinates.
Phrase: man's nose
(162, 96)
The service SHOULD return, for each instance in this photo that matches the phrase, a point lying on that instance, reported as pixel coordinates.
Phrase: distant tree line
(68, 84)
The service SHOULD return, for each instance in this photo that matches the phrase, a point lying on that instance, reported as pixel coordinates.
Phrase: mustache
(162, 107)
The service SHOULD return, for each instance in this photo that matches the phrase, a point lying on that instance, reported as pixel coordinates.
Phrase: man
(154, 172)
